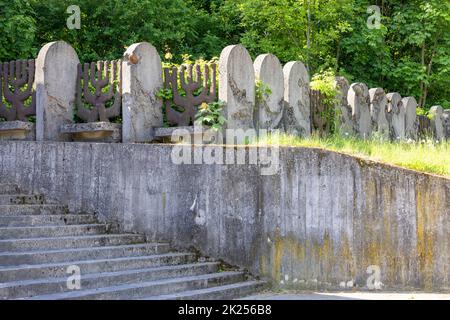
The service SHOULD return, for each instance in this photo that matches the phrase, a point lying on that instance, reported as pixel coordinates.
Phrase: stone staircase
(40, 242)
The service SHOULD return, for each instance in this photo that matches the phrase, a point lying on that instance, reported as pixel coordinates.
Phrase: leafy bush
(210, 115)
(262, 90)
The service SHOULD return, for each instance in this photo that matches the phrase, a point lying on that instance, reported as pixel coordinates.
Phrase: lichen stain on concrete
(370, 225)
(389, 253)
(427, 207)
(315, 259)
(284, 246)
(324, 251)
(347, 269)
(263, 265)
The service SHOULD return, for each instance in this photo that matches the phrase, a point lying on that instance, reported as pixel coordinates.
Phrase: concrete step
(51, 231)
(136, 290)
(21, 199)
(46, 220)
(226, 292)
(21, 245)
(56, 270)
(66, 255)
(44, 209)
(29, 288)
(7, 188)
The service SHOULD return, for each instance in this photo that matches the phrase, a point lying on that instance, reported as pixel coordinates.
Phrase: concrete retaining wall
(320, 222)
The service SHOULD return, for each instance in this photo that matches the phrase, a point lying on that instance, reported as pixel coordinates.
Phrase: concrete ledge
(17, 130)
(94, 131)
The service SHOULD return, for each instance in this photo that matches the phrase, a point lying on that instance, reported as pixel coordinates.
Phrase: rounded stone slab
(345, 119)
(358, 98)
(56, 81)
(237, 86)
(94, 131)
(296, 94)
(141, 80)
(378, 109)
(269, 110)
(396, 116)
(437, 122)
(411, 122)
(446, 117)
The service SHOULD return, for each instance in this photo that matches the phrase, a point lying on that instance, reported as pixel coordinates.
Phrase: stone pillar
(269, 107)
(378, 109)
(141, 80)
(437, 122)
(411, 121)
(237, 87)
(396, 116)
(359, 100)
(297, 113)
(55, 80)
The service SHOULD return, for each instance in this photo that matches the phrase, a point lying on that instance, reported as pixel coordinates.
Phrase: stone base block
(17, 130)
(94, 131)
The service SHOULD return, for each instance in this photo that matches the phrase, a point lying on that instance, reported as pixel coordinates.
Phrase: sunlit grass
(426, 155)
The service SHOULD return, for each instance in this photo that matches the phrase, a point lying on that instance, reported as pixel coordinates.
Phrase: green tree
(18, 28)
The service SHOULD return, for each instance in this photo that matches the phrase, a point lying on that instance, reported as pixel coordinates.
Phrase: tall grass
(425, 155)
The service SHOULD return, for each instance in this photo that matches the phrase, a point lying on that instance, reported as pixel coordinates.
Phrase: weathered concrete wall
(321, 221)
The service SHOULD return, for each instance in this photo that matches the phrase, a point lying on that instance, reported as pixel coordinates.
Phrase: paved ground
(350, 296)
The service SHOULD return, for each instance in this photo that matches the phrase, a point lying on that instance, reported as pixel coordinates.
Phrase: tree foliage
(18, 28)
(409, 52)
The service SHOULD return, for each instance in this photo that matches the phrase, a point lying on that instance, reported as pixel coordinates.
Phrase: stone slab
(93, 131)
(17, 130)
